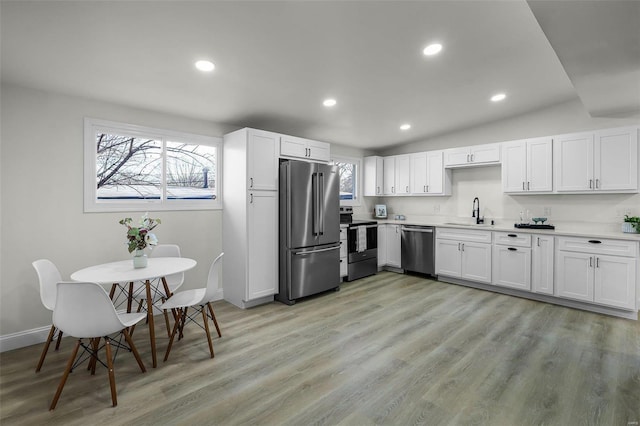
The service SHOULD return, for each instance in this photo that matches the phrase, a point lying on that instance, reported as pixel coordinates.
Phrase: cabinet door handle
(597, 183)
(590, 183)
(462, 246)
(512, 235)
(377, 189)
(538, 241)
(250, 198)
(458, 246)
(528, 186)
(590, 262)
(407, 188)
(393, 190)
(523, 186)
(250, 182)
(512, 249)
(427, 188)
(595, 241)
(472, 158)
(467, 158)
(597, 262)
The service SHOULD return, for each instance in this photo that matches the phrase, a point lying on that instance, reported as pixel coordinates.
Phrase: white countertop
(570, 229)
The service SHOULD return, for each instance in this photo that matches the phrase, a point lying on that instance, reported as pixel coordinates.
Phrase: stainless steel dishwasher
(418, 249)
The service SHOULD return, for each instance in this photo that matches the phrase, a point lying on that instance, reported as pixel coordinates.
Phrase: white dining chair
(84, 310)
(174, 281)
(200, 299)
(48, 276)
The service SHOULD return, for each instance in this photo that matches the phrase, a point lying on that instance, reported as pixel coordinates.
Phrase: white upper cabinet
(389, 175)
(403, 174)
(477, 155)
(397, 175)
(527, 166)
(262, 160)
(292, 146)
(373, 176)
(428, 175)
(616, 159)
(602, 161)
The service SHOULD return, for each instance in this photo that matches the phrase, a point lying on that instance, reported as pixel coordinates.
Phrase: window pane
(191, 171)
(347, 180)
(128, 167)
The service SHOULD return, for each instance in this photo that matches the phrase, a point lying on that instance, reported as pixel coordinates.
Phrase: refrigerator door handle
(321, 202)
(300, 253)
(316, 199)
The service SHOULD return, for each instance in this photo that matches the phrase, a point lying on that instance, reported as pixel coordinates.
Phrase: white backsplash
(485, 183)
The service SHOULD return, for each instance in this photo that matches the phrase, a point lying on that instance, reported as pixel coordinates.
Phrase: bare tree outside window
(347, 180)
(129, 167)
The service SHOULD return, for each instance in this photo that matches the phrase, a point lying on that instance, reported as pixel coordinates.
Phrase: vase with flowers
(139, 237)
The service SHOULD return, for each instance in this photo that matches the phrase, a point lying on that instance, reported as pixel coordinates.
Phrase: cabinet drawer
(343, 249)
(512, 239)
(598, 246)
(464, 235)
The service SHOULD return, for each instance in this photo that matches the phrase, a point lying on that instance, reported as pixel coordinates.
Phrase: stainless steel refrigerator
(309, 229)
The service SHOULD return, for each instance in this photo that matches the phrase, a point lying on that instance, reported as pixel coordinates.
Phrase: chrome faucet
(476, 211)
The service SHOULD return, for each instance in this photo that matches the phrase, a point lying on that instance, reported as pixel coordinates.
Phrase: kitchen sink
(466, 224)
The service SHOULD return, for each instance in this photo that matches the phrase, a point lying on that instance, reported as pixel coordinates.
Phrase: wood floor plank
(390, 349)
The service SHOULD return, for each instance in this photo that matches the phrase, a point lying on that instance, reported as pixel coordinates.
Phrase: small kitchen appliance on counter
(362, 245)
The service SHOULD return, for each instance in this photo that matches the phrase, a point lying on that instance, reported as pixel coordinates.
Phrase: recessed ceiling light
(432, 49)
(405, 126)
(498, 97)
(329, 102)
(205, 66)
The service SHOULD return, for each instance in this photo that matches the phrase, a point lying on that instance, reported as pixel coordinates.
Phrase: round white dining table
(123, 271)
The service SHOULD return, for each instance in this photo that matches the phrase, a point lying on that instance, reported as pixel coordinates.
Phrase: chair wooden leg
(134, 350)
(166, 319)
(59, 339)
(112, 378)
(205, 318)
(173, 335)
(52, 331)
(95, 345)
(65, 375)
(130, 297)
(213, 317)
(133, 327)
(184, 319)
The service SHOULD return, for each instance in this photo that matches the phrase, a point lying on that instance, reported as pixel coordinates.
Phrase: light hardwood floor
(390, 349)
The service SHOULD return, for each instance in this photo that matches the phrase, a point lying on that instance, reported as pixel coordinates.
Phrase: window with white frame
(129, 167)
(349, 171)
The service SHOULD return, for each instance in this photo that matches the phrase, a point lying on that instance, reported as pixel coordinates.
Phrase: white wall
(485, 183)
(42, 206)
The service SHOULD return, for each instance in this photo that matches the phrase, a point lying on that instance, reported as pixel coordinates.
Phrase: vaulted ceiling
(276, 61)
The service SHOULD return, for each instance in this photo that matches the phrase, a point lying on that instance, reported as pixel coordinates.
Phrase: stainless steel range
(362, 245)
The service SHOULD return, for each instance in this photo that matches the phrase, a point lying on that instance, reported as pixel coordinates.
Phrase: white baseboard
(25, 338)
(38, 335)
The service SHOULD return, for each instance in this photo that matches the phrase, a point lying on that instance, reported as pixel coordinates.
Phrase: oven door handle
(300, 253)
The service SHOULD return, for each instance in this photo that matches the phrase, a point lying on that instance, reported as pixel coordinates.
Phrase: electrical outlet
(436, 208)
(547, 211)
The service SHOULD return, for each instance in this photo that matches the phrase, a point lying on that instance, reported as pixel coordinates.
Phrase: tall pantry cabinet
(250, 217)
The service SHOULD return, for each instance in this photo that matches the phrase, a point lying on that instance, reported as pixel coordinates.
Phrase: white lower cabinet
(382, 245)
(591, 274)
(542, 264)
(574, 275)
(262, 259)
(512, 267)
(343, 251)
(463, 254)
(394, 241)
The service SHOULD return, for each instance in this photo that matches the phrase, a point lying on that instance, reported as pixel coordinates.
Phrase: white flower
(151, 239)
